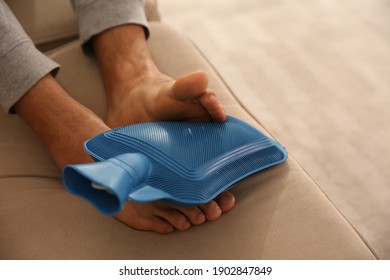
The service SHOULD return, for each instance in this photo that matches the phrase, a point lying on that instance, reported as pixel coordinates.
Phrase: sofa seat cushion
(280, 213)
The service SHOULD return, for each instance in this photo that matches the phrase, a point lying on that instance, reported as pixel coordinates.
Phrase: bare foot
(159, 97)
(162, 98)
(164, 218)
(138, 92)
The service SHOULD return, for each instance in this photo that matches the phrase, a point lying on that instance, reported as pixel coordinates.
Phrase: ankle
(123, 56)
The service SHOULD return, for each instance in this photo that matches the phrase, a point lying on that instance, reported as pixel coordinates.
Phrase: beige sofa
(281, 213)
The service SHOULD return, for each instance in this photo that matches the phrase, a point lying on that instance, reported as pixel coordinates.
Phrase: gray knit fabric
(97, 16)
(22, 65)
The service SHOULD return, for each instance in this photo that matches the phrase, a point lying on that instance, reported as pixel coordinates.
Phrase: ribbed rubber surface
(193, 162)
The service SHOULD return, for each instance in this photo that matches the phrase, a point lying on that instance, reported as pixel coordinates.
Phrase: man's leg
(61, 122)
(137, 91)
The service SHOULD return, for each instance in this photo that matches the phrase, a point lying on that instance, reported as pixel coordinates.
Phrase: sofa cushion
(280, 213)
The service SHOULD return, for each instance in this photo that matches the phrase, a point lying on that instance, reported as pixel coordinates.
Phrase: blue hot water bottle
(186, 163)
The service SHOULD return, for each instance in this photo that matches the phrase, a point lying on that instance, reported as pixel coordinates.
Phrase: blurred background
(316, 74)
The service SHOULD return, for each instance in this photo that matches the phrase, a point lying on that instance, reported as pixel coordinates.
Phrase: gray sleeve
(96, 16)
(21, 64)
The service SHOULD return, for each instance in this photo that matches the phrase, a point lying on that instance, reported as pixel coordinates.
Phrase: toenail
(217, 212)
(165, 229)
(200, 218)
(224, 199)
(186, 225)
